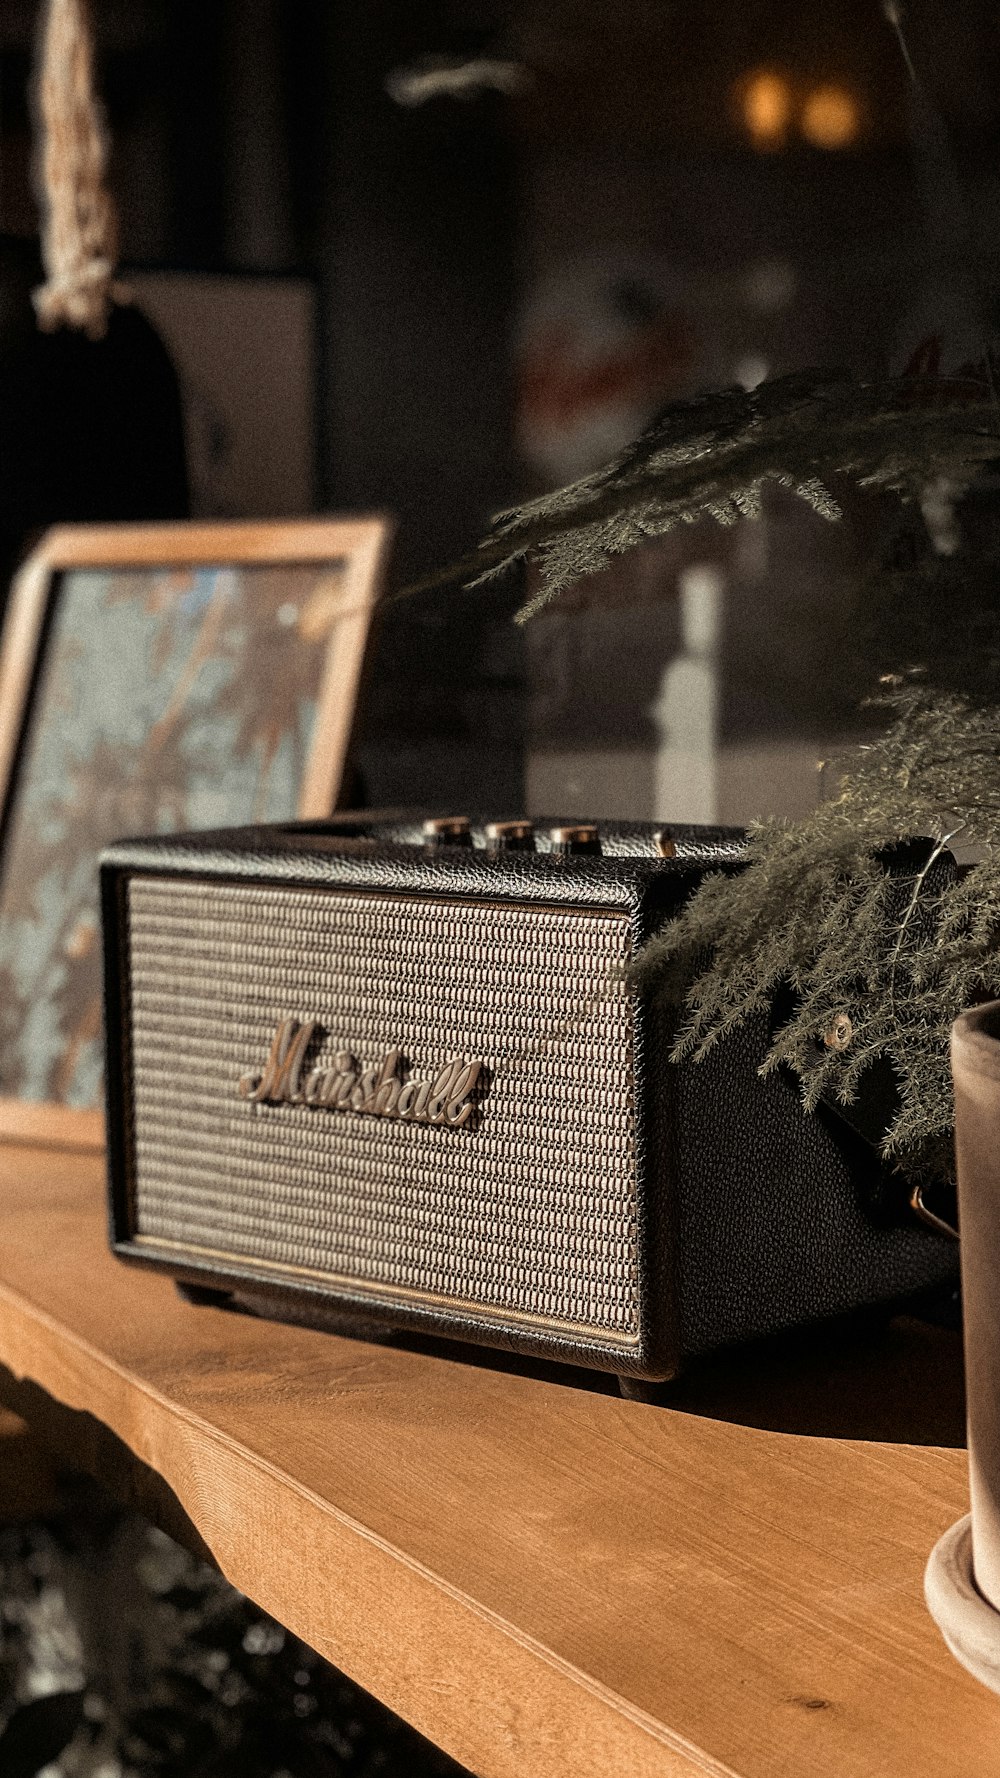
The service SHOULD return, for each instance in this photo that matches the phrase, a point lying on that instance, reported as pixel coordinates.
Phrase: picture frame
(154, 677)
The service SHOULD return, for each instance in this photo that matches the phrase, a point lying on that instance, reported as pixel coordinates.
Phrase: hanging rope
(79, 224)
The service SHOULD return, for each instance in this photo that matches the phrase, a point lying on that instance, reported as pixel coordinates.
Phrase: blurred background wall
(439, 307)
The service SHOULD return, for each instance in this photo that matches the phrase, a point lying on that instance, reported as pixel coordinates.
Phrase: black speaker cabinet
(392, 1074)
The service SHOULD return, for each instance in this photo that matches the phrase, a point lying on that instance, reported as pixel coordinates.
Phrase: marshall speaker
(384, 1073)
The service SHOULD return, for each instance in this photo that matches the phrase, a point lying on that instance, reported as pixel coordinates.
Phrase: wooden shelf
(546, 1580)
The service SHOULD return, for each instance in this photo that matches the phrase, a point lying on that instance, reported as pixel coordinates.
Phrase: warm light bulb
(831, 118)
(766, 107)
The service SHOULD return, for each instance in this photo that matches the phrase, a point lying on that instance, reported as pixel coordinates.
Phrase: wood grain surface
(546, 1580)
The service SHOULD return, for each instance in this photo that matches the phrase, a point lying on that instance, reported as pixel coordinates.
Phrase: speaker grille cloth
(530, 1211)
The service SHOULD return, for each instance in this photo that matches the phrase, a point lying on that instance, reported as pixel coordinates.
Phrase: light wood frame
(361, 543)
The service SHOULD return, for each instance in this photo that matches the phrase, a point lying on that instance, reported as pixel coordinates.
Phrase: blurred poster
(602, 346)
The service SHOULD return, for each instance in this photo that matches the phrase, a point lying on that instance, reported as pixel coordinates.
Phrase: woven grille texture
(529, 1211)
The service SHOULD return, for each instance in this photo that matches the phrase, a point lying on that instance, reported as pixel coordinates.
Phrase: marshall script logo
(377, 1092)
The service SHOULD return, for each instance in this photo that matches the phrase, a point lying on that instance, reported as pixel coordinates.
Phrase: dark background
(257, 137)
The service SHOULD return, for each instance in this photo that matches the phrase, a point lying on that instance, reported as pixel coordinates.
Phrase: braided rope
(80, 223)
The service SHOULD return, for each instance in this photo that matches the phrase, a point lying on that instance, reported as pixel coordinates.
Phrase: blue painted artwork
(167, 699)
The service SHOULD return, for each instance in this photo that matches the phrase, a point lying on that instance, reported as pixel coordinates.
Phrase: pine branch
(712, 458)
(898, 955)
(887, 959)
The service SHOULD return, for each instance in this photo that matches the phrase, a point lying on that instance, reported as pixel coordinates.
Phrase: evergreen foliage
(712, 458)
(880, 964)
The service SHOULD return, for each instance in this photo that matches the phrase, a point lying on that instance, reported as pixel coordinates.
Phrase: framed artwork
(154, 678)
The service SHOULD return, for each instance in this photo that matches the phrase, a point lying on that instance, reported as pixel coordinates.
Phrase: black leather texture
(754, 1216)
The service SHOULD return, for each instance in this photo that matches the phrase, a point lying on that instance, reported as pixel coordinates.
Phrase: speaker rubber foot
(203, 1295)
(638, 1389)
